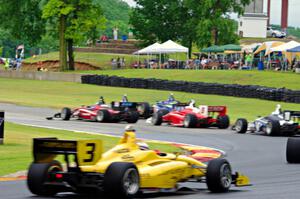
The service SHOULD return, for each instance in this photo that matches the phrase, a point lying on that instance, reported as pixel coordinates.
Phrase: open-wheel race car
(101, 112)
(191, 116)
(125, 170)
(277, 123)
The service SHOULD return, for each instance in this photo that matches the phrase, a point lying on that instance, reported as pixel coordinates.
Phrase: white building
(253, 25)
(254, 21)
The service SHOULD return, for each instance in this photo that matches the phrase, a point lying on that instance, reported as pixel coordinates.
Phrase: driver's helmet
(124, 98)
(171, 97)
(101, 101)
(192, 103)
(143, 146)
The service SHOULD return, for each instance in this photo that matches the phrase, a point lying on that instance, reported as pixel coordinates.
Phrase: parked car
(275, 33)
(277, 123)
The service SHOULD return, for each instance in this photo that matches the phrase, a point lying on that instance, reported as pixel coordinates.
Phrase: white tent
(284, 47)
(172, 47)
(152, 49)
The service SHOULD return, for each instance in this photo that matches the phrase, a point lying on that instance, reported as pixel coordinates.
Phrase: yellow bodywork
(156, 171)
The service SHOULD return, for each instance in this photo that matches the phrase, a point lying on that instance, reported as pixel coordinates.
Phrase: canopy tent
(152, 49)
(213, 49)
(172, 47)
(167, 47)
(233, 52)
(232, 47)
(266, 46)
(295, 49)
(251, 47)
(284, 47)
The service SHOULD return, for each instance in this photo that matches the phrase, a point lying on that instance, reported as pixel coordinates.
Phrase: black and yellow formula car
(125, 170)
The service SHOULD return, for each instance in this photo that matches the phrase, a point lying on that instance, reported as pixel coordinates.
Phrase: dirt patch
(51, 65)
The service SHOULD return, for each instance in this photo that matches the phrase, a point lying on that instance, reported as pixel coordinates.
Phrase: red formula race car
(191, 117)
(101, 112)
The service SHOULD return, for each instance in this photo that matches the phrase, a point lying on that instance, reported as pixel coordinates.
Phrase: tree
(22, 20)
(75, 19)
(203, 22)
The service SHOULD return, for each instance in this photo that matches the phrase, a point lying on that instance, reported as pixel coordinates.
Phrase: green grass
(263, 78)
(61, 94)
(16, 153)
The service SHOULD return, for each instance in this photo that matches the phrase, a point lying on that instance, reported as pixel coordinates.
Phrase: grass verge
(264, 78)
(66, 94)
(16, 153)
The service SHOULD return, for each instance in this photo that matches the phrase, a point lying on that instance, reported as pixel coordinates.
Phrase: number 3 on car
(89, 152)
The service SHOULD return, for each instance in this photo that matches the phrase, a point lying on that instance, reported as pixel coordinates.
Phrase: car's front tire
(241, 125)
(66, 113)
(144, 109)
(157, 118)
(38, 174)
(218, 175)
(121, 180)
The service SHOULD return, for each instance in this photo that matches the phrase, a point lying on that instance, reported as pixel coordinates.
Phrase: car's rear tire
(66, 113)
(223, 122)
(103, 116)
(38, 175)
(133, 117)
(190, 121)
(241, 125)
(293, 150)
(144, 109)
(121, 180)
(157, 118)
(272, 128)
(218, 175)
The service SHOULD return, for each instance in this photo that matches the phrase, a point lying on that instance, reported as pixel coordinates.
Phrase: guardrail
(247, 91)
(39, 75)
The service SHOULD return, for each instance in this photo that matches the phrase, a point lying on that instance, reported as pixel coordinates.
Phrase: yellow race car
(125, 170)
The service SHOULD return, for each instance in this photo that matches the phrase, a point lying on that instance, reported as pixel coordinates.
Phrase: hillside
(117, 14)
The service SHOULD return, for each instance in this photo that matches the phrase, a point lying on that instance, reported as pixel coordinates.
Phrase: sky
(294, 14)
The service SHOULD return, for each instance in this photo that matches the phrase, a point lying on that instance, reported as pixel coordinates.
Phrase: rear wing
(121, 106)
(291, 115)
(86, 152)
(219, 109)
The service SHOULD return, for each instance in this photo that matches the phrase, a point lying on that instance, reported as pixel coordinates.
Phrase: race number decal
(203, 110)
(89, 152)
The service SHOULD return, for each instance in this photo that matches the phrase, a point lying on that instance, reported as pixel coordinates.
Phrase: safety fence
(247, 91)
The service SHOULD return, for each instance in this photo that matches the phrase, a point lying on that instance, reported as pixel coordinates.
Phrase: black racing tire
(272, 127)
(157, 118)
(103, 116)
(293, 150)
(133, 117)
(38, 175)
(144, 109)
(190, 121)
(218, 175)
(115, 178)
(223, 122)
(66, 113)
(241, 125)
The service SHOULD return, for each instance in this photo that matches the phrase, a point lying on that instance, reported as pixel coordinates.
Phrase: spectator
(113, 63)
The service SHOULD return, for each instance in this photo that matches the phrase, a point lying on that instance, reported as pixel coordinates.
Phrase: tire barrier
(236, 90)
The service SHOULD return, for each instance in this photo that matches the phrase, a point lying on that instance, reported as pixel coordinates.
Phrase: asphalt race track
(260, 157)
